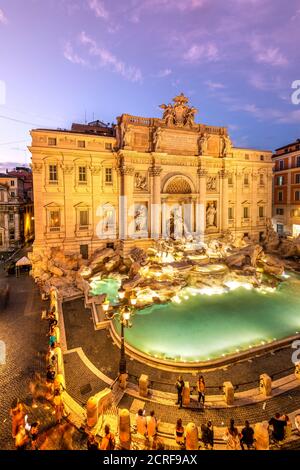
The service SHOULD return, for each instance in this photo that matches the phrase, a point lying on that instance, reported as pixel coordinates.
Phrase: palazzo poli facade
(144, 179)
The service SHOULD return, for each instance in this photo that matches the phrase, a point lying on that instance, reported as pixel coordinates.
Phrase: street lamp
(124, 312)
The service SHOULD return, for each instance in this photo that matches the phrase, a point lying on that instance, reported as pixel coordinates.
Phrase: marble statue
(211, 213)
(225, 145)
(127, 137)
(140, 182)
(202, 144)
(157, 136)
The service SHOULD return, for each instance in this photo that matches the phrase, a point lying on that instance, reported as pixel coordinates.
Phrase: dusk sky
(63, 59)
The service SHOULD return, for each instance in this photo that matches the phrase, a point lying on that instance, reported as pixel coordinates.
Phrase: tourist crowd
(145, 431)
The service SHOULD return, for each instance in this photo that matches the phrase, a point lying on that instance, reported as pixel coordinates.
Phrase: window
(51, 141)
(81, 144)
(281, 165)
(297, 195)
(12, 194)
(108, 175)
(280, 229)
(261, 211)
(279, 211)
(262, 157)
(11, 217)
(108, 146)
(230, 213)
(230, 180)
(53, 173)
(280, 196)
(247, 157)
(297, 179)
(12, 234)
(246, 180)
(83, 218)
(246, 212)
(261, 180)
(298, 162)
(1, 196)
(280, 180)
(82, 174)
(54, 221)
(84, 251)
(12, 183)
(1, 239)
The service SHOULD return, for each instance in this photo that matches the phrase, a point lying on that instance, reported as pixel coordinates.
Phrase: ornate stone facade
(144, 176)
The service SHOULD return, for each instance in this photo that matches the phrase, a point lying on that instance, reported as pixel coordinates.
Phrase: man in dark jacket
(247, 438)
(278, 427)
(179, 387)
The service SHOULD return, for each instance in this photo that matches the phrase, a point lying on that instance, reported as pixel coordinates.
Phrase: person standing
(232, 437)
(141, 423)
(108, 441)
(92, 444)
(179, 433)
(201, 390)
(58, 406)
(278, 425)
(179, 387)
(247, 438)
(152, 424)
(21, 439)
(33, 434)
(208, 435)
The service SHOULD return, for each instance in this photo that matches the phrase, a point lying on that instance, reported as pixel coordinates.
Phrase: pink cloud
(164, 73)
(3, 18)
(267, 55)
(72, 56)
(214, 85)
(98, 8)
(258, 81)
(107, 59)
(202, 52)
(159, 5)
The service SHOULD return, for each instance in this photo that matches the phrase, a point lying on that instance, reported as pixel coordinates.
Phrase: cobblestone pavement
(99, 348)
(81, 383)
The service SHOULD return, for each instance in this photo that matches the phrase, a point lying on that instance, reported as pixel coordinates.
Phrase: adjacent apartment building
(16, 208)
(286, 207)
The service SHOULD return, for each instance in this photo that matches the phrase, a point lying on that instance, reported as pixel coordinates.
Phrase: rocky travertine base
(169, 265)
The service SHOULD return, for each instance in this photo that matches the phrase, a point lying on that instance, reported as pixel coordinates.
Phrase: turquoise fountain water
(203, 327)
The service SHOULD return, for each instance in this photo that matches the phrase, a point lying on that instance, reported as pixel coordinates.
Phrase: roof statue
(179, 114)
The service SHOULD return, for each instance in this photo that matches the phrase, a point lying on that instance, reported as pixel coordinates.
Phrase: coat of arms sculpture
(179, 114)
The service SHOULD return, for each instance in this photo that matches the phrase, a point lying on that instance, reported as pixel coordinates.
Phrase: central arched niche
(178, 185)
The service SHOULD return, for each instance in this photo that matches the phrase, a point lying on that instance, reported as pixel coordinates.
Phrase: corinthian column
(17, 226)
(155, 209)
(224, 198)
(201, 203)
(126, 210)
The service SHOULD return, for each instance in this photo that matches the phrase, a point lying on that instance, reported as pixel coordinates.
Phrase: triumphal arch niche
(177, 170)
